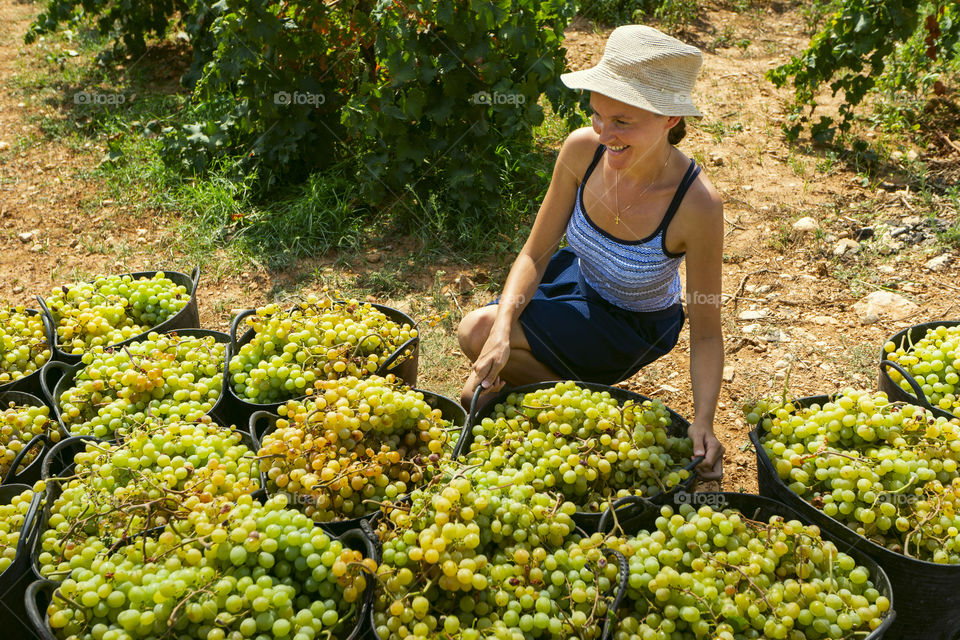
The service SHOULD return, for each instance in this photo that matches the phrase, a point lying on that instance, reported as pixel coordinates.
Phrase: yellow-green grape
(18, 426)
(711, 573)
(12, 517)
(23, 343)
(165, 376)
(112, 309)
(352, 444)
(478, 554)
(583, 444)
(159, 474)
(257, 571)
(319, 339)
(934, 362)
(888, 471)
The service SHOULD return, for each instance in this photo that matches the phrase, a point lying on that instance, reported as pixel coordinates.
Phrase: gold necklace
(647, 188)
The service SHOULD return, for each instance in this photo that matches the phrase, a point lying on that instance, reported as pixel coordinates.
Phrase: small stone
(780, 364)
(830, 237)
(4, 145)
(911, 155)
(374, 256)
(464, 284)
(716, 158)
(73, 243)
(823, 320)
(911, 221)
(805, 225)
(371, 298)
(669, 388)
(37, 248)
(845, 246)
(870, 318)
(728, 372)
(896, 156)
(747, 187)
(885, 303)
(758, 314)
(938, 263)
(885, 268)
(141, 232)
(751, 328)
(764, 288)
(18, 288)
(26, 236)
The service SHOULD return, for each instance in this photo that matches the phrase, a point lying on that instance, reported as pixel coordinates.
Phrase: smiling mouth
(612, 148)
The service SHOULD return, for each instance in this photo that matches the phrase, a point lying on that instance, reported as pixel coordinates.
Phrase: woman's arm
(529, 266)
(703, 240)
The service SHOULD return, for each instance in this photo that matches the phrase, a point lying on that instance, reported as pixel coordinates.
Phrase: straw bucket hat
(644, 68)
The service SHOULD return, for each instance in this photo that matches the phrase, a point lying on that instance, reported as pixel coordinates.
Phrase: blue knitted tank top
(639, 275)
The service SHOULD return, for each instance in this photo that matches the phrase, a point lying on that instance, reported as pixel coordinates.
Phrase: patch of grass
(718, 129)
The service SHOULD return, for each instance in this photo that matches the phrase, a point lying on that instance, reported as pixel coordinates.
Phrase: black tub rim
(189, 314)
(893, 390)
(337, 526)
(68, 373)
(729, 499)
(388, 367)
(589, 520)
(764, 459)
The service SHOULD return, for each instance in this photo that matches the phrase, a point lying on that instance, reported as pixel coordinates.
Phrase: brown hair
(677, 132)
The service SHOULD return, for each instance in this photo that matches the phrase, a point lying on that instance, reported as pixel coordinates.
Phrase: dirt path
(789, 309)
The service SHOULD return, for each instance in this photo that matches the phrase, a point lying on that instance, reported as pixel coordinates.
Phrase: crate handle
(917, 389)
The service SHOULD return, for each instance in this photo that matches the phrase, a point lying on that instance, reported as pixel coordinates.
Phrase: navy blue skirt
(581, 336)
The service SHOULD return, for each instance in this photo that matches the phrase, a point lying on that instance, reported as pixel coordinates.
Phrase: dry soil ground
(788, 314)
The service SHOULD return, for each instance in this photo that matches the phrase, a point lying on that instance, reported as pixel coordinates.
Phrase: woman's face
(631, 134)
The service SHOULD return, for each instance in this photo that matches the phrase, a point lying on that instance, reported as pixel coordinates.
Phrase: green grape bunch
(886, 470)
(352, 444)
(250, 570)
(24, 346)
(112, 309)
(12, 517)
(318, 339)
(166, 376)
(934, 362)
(716, 573)
(583, 444)
(159, 474)
(19, 424)
(477, 555)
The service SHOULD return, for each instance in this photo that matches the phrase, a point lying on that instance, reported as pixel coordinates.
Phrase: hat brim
(631, 92)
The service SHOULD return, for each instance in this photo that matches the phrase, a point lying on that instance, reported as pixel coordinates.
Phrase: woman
(632, 207)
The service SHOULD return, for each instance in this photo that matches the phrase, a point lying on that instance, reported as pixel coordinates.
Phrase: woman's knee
(474, 329)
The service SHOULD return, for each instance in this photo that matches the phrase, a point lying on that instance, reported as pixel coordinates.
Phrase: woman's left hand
(705, 444)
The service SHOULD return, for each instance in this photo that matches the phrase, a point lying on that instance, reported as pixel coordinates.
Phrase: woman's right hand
(491, 361)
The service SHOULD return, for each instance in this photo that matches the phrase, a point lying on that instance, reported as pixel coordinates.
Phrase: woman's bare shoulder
(577, 152)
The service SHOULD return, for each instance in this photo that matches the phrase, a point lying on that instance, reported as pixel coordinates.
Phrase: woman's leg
(521, 368)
